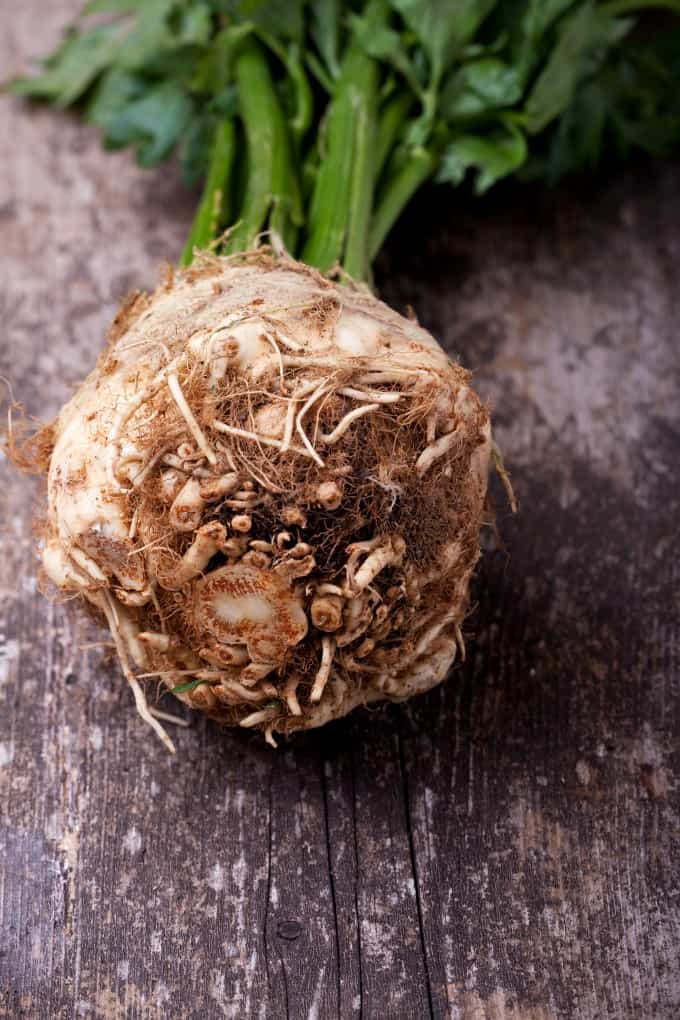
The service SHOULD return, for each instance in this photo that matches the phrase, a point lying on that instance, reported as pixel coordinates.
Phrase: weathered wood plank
(542, 782)
(501, 849)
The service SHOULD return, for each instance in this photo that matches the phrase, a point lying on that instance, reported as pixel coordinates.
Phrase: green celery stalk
(391, 121)
(213, 210)
(400, 189)
(272, 180)
(339, 213)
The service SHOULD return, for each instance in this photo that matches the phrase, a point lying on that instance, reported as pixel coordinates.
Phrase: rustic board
(504, 848)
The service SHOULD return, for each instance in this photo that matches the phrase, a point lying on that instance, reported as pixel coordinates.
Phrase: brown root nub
(28, 446)
(272, 485)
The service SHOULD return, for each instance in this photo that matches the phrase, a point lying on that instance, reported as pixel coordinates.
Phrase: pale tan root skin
(272, 487)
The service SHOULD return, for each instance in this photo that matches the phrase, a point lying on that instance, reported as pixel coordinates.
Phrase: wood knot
(289, 930)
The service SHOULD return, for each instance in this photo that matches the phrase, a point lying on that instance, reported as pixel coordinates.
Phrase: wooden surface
(504, 848)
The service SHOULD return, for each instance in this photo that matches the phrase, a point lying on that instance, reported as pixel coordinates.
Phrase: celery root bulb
(271, 487)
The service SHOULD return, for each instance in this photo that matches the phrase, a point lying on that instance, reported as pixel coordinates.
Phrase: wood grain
(504, 848)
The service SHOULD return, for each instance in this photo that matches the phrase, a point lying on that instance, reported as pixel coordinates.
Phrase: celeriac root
(259, 488)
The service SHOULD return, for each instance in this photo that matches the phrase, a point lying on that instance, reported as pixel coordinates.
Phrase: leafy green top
(320, 118)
